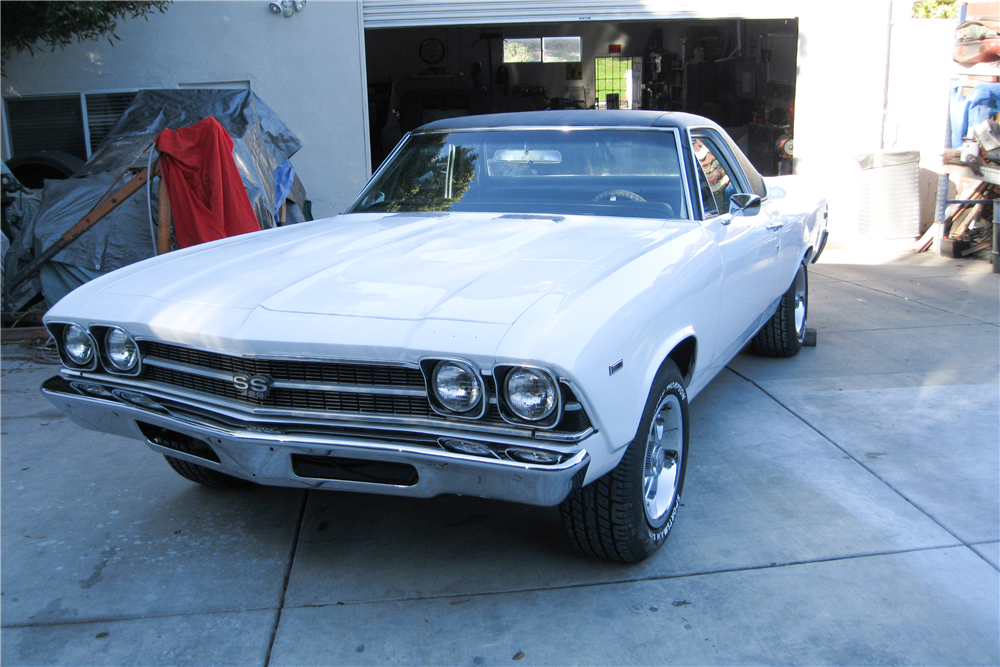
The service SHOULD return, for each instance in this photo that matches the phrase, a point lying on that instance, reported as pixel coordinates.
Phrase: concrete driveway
(841, 507)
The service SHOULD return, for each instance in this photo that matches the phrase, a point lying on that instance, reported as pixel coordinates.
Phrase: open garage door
(406, 13)
(438, 59)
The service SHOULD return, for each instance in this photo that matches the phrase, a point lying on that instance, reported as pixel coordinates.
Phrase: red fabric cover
(207, 197)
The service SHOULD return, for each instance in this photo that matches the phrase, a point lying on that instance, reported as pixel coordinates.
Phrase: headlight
(531, 393)
(79, 348)
(456, 386)
(121, 350)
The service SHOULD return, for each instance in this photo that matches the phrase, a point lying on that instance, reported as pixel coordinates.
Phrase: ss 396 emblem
(252, 386)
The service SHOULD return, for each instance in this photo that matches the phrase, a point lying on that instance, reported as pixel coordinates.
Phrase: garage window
(542, 50)
(561, 49)
(74, 124)
(527, 50)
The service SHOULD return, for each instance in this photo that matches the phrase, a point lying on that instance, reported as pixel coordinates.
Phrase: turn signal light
(466, 447)
(534, 456)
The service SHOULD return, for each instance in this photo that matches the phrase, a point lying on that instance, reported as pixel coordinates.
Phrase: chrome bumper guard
(273, 458)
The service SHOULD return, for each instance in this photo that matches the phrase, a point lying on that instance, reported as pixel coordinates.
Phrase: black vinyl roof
(570, 118)
(597, 118)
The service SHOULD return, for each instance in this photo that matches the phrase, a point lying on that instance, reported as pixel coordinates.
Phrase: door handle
(775, 227)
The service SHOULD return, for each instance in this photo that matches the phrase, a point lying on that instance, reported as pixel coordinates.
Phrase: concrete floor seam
(855, 281)
(128, 619)
(634, 580)
(858, 461)
(288, 576)
(974, 323)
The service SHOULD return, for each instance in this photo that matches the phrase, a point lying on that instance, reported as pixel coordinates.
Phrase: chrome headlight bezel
(110, 356)
(437, 372)
(512, 408)
(81, 336)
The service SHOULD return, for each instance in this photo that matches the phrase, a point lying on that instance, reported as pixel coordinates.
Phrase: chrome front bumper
(255, 454)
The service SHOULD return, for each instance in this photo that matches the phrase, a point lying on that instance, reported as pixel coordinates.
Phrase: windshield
(619, 172)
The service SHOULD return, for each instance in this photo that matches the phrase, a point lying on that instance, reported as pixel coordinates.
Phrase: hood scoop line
(530, 216)
(420, 214)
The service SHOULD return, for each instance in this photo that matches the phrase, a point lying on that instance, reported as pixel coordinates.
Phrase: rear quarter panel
(794, 201)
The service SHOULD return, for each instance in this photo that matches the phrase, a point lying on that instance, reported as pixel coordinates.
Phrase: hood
(479, 267)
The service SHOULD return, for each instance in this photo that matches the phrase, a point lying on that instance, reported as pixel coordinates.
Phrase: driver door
(748, 248)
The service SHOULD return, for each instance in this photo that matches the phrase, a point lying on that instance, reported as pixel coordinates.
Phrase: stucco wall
(309, 68)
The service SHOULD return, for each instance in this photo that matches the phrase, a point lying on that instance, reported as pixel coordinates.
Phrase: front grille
(296, 399)
(361, 389)
(298, 371)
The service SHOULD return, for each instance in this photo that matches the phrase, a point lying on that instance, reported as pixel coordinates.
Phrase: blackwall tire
(202, 475)
(784, 334)
(627, 514)
(32, 169)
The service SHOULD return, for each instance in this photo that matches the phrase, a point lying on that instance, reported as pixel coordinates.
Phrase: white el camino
(517, 306)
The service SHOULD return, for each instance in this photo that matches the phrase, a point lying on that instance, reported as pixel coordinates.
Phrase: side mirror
(744, 204)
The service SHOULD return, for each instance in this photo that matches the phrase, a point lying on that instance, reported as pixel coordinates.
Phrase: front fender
(629, 309)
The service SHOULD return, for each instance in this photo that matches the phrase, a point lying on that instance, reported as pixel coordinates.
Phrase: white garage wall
(920, 77)
(839, 97)
(843, 88)
(309, 68)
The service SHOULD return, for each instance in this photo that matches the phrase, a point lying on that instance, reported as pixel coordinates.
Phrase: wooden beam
(76, 231)
(163, 220)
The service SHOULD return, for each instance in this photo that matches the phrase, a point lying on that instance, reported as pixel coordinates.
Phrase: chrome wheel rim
(661, 471)
(800, 303)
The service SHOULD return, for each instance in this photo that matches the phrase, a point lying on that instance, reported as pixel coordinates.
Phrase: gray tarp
(261, 143)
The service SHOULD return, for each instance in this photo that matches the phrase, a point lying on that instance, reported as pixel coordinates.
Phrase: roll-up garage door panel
(401, 13)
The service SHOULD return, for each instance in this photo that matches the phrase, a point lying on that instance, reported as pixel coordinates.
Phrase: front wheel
(785, 333)
(201, 474)
(627, 514)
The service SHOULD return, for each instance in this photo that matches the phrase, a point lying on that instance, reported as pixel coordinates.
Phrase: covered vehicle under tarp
(262, 146)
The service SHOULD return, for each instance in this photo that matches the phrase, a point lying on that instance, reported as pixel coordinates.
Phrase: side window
(715, 183)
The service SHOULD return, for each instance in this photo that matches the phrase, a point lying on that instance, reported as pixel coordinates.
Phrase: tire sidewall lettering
(679, 388)
(658, 536)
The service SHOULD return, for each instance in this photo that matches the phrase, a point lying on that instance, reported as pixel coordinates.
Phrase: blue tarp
(968, 111)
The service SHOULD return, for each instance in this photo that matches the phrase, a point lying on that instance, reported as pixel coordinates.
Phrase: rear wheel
(627, 514)
(785, 332)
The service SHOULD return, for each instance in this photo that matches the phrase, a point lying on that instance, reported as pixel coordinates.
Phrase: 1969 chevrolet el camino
(517, 306)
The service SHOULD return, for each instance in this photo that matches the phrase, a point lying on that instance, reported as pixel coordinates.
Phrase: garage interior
(738, 72)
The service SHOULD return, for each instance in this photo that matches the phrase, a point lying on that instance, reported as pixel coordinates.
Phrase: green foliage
(935, 9)
(28, 25)
(520, 52)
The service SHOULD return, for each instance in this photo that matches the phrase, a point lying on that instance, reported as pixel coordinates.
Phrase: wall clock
(432, 51)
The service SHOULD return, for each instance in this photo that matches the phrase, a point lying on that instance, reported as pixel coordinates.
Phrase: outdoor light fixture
(286, 7)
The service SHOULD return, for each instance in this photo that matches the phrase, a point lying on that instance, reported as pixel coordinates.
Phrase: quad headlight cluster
(113, 346)
(78, 345)
(530, 393)
(120, 350)
(457, 386)
(523, 394)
